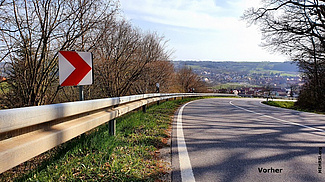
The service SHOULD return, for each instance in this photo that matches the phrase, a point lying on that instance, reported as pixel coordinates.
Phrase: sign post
(81, 93)
(75, 69)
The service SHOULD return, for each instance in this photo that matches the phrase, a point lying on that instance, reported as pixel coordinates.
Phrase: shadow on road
(229, 144)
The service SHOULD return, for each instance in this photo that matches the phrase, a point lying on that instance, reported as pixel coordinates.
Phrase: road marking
(184, 159)
(292, 123)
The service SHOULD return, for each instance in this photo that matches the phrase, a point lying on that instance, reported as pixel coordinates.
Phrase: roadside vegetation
(290, 105)
(132, 155)
(282, 104)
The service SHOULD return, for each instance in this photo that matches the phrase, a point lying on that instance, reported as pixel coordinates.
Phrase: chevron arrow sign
(75, 68)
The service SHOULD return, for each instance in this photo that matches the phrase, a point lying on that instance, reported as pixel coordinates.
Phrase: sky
(201, 30)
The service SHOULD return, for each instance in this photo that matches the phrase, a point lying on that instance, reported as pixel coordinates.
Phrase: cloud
(184, 13)
(201, 29)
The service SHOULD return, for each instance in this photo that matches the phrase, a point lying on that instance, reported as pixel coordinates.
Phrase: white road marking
(184, 159)
(281, 120)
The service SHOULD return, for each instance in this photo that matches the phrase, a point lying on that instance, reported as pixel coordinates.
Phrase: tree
(124, 55)
(31, 34)
(188, 81)
(161, 72)
(296, 28)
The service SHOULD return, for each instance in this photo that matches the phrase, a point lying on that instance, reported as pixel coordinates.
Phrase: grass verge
(289, 105)
(132, 155)
(282, 104)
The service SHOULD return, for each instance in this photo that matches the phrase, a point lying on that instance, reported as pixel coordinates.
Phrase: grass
(269, 72)
(289, 105)
(289, 75)
(233, 86)
(282, 104)
(132, 155)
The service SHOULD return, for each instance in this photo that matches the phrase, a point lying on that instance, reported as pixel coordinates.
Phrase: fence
(30, 131)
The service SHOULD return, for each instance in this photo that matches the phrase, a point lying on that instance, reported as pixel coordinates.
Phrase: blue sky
(201, 29)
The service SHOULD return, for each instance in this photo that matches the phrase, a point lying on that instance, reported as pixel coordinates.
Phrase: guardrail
(30, 131)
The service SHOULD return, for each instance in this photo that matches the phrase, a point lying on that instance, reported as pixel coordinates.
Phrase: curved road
(244, 140)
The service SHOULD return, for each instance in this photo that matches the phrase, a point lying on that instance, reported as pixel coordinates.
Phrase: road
(244, 140)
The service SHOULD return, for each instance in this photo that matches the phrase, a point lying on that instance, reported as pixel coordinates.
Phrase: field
(233, 86)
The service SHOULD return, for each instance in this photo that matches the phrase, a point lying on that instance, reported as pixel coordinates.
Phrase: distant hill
(238, 67)
(242, 74)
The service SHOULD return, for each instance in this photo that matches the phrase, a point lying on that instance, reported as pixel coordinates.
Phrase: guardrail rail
(29, 131)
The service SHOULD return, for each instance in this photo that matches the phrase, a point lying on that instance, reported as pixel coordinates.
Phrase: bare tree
(160, 72)
(31, 34)
(2, 2)
(296, 28)
(188, 81)
(125, 51)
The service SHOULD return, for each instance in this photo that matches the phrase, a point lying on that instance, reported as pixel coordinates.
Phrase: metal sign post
(81, 93)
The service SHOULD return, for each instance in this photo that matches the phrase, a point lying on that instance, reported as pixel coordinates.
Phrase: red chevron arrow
(81, 68)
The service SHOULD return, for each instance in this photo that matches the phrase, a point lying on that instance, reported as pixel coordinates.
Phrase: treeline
(296, 28)
(127, 60)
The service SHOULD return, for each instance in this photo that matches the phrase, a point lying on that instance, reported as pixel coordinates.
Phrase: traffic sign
(75, 68)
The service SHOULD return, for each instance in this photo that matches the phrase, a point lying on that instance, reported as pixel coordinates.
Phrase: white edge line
(281, 120)
(184, 159)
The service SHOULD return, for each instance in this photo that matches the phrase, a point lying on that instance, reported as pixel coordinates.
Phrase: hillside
(238, 67)
(244, 74)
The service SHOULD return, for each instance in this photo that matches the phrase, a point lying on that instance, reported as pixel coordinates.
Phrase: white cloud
(184, 13)
(202, 29)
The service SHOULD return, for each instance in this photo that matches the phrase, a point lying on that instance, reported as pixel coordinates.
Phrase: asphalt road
(244, 140)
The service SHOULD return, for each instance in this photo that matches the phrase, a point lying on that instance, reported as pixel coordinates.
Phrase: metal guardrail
(29, 131)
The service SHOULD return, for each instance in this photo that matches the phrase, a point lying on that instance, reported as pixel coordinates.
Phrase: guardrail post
(144, 108)
(112, 127)
(158, 102)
